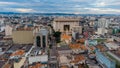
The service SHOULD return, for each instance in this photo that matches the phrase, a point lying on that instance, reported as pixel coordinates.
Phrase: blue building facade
(104, 60)
(91, 42)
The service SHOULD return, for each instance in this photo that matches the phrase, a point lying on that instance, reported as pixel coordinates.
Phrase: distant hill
(59, 14)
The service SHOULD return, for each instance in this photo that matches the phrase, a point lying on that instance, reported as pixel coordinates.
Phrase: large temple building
(65, 25)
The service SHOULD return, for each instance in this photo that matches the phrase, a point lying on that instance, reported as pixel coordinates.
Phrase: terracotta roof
(78, 58)
(92, 48)
(101, 47)
(82, 40)
(77, 46)
(37, 65)
(65, 37)
(19, 52)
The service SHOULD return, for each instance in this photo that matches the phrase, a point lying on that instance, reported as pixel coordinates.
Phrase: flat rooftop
(25, 47)
(65, 47)
(2, 63)
(66, 20)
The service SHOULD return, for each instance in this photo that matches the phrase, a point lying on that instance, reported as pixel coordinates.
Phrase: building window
(44, 41)
(38, 41)
(66, 27)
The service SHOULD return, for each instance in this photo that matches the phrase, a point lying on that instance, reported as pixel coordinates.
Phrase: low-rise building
(78, 48)
(42, 58)
(19, 63)
(112, 45)
(116, 37)
(66, 38)
(104, 61)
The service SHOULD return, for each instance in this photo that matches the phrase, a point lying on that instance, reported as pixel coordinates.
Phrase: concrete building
(37, 55)
(8, 30)
(92, 23)
(101, 31)
(114, 25)
(41, 58)
(65, 25)
(103, 23)
(106, 62)
(64, 50)
(41, 38)
(2, 25)
(117, 38)
(20, 63)
(77, 29)
(23, 36)
(29, 34)
(112, 46)
(75, 35)
(2, 28)
(91, 42)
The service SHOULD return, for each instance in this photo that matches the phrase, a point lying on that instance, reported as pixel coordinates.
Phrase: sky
(61, 6)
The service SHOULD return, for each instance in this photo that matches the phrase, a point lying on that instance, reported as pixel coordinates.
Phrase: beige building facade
(65, 24)
(41, 38)
(23, 37)
(77, 29)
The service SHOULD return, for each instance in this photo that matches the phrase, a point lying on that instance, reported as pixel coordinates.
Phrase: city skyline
(62, 6)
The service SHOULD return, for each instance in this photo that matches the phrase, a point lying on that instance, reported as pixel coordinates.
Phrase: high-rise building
(103, 23)
(101, 31)
(8, 30)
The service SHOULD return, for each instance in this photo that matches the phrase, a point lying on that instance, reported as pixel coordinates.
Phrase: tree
(57, 35)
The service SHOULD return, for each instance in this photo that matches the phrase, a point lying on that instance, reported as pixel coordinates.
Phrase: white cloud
(87, 10)
(101, 4)
(22, 10)
(7, 3)
(73, 6)
(81, 0)
(115, 4)
(103, 10)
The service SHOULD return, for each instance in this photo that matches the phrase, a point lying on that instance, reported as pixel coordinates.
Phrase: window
(66, 27)
(44, 43)
(38, 43)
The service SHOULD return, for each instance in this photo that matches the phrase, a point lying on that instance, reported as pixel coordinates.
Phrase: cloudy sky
(61, 6)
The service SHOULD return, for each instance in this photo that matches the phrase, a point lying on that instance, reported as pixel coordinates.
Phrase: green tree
(57, 35)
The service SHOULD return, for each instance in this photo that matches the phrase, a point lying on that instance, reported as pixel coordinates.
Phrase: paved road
(53, 43)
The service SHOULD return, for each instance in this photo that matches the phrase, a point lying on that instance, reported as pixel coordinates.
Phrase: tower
(42, 38)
